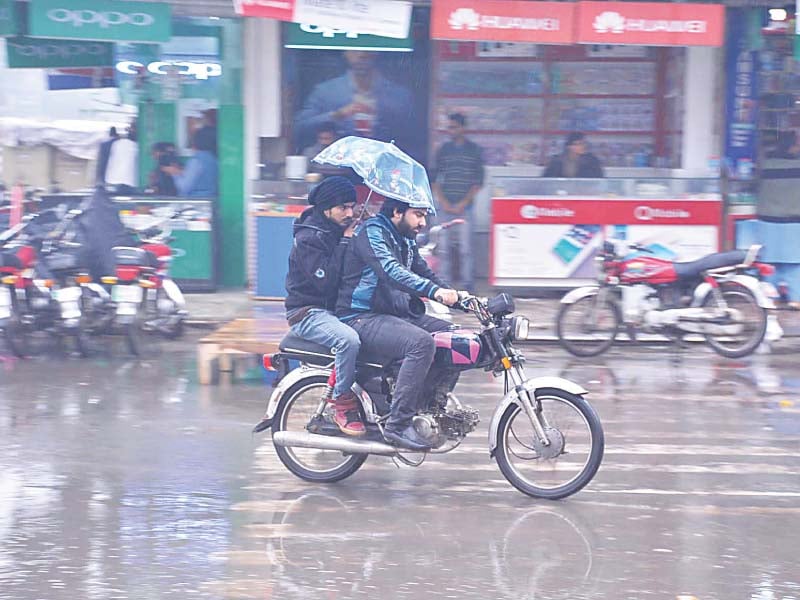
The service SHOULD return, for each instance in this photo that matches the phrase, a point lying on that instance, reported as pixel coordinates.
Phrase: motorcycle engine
(442, 425)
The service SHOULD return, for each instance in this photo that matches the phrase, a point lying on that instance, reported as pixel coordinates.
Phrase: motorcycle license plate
(127, 293)
(5, 303)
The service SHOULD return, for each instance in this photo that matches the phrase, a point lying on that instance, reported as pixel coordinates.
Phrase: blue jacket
(199, 179)
(384, 273)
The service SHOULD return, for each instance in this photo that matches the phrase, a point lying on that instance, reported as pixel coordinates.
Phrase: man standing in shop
(457, 177)
(122, 171)
(575, 161)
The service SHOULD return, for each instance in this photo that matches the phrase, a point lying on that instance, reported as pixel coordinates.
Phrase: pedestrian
(103, 154)
(122, 172)
(575, 160)
(199, 178)
(457, 177)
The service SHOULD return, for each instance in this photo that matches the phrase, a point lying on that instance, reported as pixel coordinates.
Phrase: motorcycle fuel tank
(457, 349)
(647, 269)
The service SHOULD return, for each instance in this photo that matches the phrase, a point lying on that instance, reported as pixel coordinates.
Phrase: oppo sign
(104, 19)
(197, 70)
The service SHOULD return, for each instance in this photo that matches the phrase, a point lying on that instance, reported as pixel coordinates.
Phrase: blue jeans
(322, 327)
(459, 236)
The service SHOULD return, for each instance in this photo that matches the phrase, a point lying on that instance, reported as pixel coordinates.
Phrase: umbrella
(385, 169)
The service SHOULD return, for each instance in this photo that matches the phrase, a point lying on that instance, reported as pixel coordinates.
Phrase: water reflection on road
(125, 479)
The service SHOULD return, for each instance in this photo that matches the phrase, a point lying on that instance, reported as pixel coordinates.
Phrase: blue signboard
(741, 98)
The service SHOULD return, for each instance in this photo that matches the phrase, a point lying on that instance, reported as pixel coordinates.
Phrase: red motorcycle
(718, 296)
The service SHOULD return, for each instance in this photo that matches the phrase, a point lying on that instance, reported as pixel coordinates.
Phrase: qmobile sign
(639, 23)
(99, 20)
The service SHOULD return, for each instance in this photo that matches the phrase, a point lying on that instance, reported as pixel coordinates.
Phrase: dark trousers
(390, 338)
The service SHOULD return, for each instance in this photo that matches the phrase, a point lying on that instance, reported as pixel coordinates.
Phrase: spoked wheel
(588, 326)
(294, 412)
(572, 457)
(747, 320)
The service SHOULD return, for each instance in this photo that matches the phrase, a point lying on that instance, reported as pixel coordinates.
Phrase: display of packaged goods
(501, 78)
(603, 78)
(602, 114)
(502, 114)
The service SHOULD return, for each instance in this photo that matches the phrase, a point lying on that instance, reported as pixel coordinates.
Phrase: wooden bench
(239, 338)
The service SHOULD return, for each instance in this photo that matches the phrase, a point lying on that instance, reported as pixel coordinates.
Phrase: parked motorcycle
(546, 438)
(717, 296)
(46, 279)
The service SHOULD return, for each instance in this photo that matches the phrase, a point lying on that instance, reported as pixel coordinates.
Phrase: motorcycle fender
(99, 290)
(751, 283)
(287, 382)
(579, 293)
(174, 293)
(532, 385)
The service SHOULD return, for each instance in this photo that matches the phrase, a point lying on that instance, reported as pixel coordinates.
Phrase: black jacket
(384, 273)
(315, 262)
(588, 166)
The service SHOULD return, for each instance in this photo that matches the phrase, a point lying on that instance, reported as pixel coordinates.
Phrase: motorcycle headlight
(520, 326)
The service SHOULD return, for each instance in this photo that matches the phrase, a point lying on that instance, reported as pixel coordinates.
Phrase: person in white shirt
(122, 172)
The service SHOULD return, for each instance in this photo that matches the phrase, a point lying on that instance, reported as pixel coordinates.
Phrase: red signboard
(650, 23)
(281, 10)
(535, 211)
(503, 20)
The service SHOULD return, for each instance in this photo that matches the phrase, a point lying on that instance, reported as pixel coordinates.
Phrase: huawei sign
(503, 20)
(651, 23)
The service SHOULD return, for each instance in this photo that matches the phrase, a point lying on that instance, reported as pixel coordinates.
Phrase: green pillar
(230, 142)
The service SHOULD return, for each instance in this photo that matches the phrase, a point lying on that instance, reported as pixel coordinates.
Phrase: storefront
(762, 153)
(638, 79)
(171, 76)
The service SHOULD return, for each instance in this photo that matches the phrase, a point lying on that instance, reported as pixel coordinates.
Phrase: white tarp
(80, 139)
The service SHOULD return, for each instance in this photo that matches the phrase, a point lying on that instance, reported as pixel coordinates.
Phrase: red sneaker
(346, 415)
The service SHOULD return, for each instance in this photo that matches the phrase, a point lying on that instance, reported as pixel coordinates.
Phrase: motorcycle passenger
(321, 236)
(383, 280)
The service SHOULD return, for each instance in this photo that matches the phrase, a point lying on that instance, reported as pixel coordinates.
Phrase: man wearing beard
(321, 236)
(384, 278)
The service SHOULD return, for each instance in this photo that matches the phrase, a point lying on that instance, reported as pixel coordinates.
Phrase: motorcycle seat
(293, 346)
(9, 258)
(693, 268)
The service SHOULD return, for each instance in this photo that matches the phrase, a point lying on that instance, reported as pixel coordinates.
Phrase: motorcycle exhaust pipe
(303, 439)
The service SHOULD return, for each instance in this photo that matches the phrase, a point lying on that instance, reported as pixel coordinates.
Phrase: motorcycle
(546, 438)
(46, 279)
(716, 296)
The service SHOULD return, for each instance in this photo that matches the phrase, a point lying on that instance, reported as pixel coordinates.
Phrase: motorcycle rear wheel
(294, 411)
(530, 469)
(754, 322)
(17, 337)
(588, 326)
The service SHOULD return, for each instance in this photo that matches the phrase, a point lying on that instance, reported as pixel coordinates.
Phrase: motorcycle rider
(383, 280)
(321, 236)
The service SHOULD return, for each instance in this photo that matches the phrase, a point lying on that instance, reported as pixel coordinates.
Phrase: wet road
(125, 479)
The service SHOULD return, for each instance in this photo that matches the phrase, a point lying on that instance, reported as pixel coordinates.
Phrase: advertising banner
(503, 20)
(8, 23)
(32, 53)
(99, 20)
(387, 18)
(80, 78)
(317, 37)
(537, 239)
(741, 98)
(650, 23)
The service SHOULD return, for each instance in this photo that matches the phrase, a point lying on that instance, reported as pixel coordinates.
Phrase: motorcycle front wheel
(748, 315)
(588, 326)
(571, 459)
(17, 337)
(295, 410)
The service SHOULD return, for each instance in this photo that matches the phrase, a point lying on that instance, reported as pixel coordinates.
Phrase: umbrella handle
(364, 207)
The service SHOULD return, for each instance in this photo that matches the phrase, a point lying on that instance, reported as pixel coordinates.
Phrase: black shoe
(407, 439)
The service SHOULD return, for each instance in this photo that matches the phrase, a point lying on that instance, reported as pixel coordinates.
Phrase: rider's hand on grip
(448, 297)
